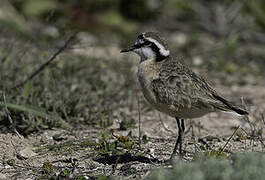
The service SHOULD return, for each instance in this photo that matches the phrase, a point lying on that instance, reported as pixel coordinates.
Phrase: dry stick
(258, 135)
(48, 62)
(246, 135)
(253, 132)
(164, 126)
(193, 137)
(10, 118)
(139, 121)
(260, 138)
(262, 117)
(245, 131)
(229, 139)
(244, 104)
(252, 126)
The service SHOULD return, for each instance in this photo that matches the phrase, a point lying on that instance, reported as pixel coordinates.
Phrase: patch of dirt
(207, 133)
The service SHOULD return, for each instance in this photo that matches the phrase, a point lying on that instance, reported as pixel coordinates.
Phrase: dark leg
(181, 132)
(181, 127)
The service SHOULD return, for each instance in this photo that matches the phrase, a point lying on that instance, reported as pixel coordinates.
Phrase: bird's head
(149, 45)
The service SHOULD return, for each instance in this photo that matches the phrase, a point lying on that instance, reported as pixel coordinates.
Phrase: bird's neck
(160, 58)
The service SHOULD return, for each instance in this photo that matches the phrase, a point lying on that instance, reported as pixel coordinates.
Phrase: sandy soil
(211, 131)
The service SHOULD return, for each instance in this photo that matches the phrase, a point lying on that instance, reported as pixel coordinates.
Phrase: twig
(259, 135)
(245, 131)
(260, 138)
(253, 131)
(246, 138)
(164, 126)
(139, 121)
(10, 118)
(43, 66)
(262, 118)
(193, 137)
(229, 139)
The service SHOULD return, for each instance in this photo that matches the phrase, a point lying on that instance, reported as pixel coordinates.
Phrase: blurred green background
(225, 33)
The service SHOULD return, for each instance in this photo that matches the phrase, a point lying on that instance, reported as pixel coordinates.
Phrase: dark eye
(147, 43)
(140, 37)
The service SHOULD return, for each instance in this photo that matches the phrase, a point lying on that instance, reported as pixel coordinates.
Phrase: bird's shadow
(125, 158)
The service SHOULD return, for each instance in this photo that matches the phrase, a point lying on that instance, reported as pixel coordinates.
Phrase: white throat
(145, 53)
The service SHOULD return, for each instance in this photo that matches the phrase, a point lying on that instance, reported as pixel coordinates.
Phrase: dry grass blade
(9, 116)
(139, 120)
(43, 66)
(229, 139)
(35, 111)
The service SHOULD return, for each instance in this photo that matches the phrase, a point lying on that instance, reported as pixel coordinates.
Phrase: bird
(173, 88)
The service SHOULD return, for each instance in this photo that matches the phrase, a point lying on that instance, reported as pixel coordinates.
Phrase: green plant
(241, 166)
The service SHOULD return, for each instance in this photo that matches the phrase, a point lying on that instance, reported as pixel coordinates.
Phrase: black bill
(130, 48)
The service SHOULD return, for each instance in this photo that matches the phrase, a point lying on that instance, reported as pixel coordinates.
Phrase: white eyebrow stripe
(162, 49)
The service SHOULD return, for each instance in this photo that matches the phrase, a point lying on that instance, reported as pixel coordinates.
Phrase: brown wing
(179, 86)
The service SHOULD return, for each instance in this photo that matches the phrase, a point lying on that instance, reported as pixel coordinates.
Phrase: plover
(172, 88)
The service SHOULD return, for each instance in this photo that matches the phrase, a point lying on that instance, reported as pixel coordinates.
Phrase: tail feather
(230, 106)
